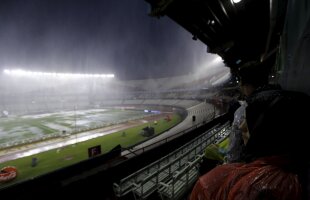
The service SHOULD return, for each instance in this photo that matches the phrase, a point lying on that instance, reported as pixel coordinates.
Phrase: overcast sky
(95, 36)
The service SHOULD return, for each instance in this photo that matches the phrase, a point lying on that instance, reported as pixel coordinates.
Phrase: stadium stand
(181, 181)
(147, 180)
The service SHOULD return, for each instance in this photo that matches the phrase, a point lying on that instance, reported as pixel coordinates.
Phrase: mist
(81, 36)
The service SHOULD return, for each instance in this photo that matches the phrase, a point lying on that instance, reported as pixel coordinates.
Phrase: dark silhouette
(274, 156)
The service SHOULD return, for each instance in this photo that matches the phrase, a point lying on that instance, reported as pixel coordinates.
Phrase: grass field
(57, 158)
(28, 128)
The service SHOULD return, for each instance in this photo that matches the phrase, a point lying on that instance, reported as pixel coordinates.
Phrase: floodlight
(236, 1)
(217, 60)
(19, 72)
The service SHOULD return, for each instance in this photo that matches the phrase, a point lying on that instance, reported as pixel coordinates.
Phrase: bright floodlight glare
(19, 72)
(217, 60)
(236, 1)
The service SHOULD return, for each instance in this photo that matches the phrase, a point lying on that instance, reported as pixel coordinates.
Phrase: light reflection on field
(33, 127)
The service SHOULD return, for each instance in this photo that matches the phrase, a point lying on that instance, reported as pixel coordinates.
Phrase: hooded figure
(275, 153)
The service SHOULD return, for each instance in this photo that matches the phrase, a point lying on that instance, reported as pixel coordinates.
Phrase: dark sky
(95, 36)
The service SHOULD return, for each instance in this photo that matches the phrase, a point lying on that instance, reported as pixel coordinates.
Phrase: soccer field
(16, 130)
(54, 159)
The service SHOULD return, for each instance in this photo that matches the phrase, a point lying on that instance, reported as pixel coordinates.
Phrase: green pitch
(58, 158)
(29, 128)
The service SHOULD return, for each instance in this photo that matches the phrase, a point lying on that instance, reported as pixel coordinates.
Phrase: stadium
(67, 120)
(71, 126)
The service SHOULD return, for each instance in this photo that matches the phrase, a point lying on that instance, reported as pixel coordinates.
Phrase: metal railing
(145, 181)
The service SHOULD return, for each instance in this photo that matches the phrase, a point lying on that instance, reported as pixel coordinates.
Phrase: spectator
(236, 142)
(275, 151)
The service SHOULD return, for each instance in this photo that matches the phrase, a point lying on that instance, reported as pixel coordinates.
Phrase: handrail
(131, 149)
(186, 150)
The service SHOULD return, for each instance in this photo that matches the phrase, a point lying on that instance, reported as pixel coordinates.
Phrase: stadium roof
(238, 31)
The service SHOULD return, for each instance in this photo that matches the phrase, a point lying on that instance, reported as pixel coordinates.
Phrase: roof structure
(238, 32)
